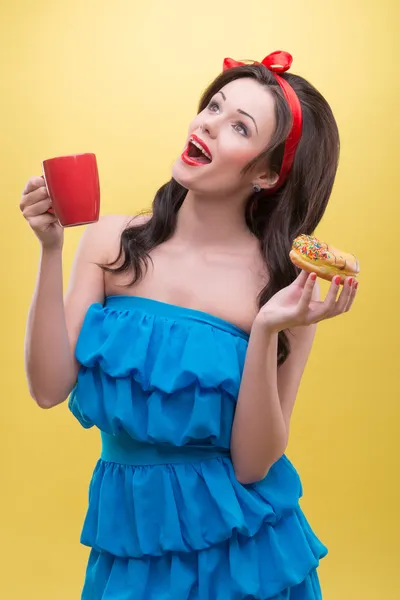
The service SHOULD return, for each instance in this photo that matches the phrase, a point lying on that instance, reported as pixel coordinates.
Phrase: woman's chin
(181, 173)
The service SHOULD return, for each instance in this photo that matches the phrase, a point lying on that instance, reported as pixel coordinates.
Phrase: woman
(183, 337)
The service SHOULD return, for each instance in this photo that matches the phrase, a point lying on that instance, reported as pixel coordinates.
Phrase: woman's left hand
(294, 306)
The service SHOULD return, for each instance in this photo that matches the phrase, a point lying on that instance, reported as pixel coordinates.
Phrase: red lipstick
(196, 153)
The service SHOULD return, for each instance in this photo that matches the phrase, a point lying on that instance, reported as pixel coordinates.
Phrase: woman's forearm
(259, 435)
(49, 362)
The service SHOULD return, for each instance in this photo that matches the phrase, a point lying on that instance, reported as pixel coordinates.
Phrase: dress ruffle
(158, 378)
(239, 569)
(150, 510)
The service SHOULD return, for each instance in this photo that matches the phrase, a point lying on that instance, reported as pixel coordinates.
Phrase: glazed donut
(313, 256)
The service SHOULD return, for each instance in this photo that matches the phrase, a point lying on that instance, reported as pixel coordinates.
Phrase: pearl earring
(256, 188)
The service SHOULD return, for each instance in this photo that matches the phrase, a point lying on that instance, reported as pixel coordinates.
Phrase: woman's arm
(267, 394)
(266, 399)
(54, 325)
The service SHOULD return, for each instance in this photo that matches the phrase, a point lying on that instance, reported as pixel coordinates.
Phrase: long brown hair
(275, 219)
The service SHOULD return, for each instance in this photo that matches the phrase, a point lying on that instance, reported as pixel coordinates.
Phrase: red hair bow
(280, 62)
(277, 62)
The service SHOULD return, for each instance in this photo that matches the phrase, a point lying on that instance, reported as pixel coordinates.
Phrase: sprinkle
(311, 247)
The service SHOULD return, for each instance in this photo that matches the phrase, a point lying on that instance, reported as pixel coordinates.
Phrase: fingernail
(313, 276)
(356, 285)
(337, 280)
(350, 281)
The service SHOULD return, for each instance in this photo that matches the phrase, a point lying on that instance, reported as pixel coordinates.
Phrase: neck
(206, 221)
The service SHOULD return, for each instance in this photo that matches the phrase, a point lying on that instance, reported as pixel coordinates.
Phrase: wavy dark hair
(275, 219)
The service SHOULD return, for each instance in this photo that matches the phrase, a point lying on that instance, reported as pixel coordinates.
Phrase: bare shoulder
(114, 225)
(102, 238)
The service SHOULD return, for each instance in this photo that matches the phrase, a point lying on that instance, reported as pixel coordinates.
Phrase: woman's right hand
(34, 205)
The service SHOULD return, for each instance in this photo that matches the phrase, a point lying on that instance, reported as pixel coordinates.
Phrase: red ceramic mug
(73, 185)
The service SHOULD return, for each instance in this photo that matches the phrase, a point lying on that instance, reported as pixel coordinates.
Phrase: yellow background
(122, 78)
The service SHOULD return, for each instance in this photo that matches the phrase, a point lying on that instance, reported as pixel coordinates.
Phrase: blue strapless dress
(167, 519)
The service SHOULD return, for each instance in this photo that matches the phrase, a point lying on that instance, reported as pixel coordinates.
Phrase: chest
(220, 283)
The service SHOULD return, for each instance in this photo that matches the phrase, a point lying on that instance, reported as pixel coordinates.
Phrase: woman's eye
(241, 128)
(213, 106)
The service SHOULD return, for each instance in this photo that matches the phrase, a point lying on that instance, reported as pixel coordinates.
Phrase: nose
(209, 127)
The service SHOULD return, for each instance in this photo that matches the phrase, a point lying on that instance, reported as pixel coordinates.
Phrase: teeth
(200, 147)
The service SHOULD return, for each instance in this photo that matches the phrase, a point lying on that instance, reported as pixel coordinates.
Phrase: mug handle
(51, 210)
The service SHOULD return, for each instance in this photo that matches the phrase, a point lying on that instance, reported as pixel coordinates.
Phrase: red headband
(279, 62)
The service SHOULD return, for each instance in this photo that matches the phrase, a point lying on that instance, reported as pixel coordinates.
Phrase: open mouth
(196, 152)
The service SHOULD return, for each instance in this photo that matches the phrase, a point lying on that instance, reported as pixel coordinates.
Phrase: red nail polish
(356, 285)
(337, 280)
(313, 276)
(350, 281)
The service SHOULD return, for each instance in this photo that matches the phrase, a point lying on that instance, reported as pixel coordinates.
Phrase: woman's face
(234, 128)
